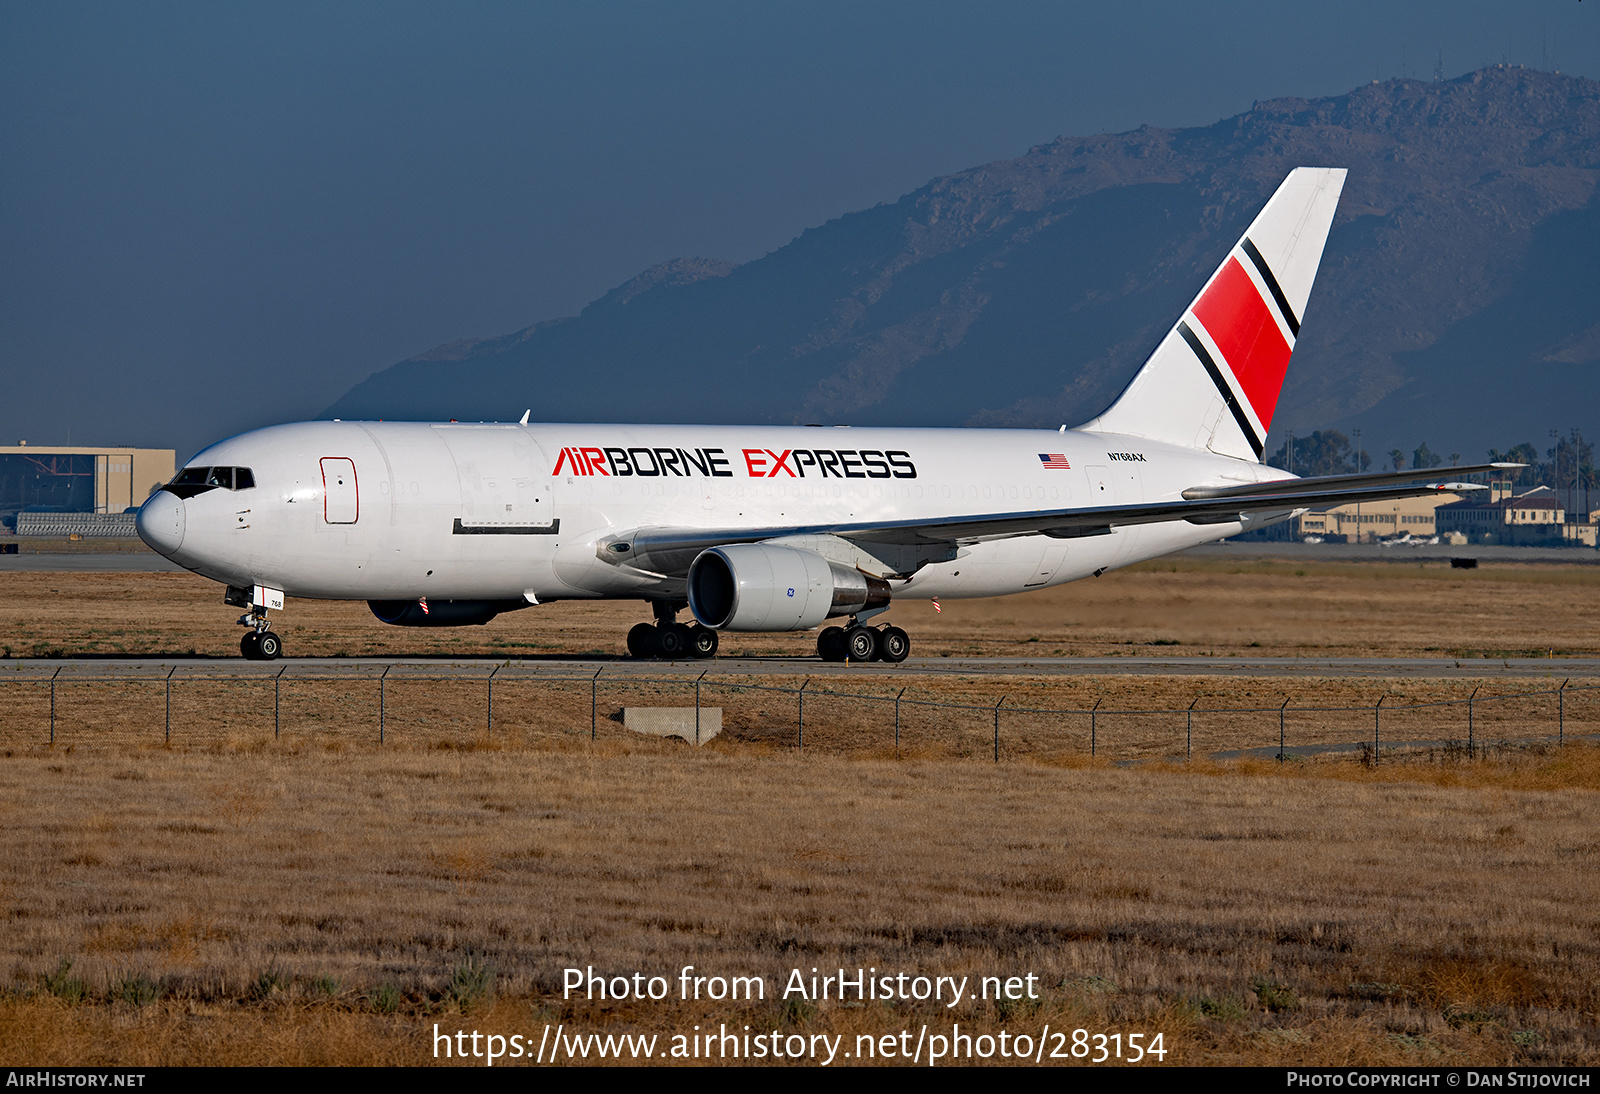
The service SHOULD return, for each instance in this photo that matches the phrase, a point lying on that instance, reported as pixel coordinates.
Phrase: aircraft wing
(670, 551)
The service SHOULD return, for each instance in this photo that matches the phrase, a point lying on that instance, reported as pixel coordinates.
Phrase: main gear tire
(672, 641)
(642, 640)
(861, 643)
(703, 641)
(830, 644)
(894, 645)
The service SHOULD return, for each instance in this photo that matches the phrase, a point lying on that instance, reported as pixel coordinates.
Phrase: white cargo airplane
(773, 528)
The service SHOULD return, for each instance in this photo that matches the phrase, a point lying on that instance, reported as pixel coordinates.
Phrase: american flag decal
(1054, 461)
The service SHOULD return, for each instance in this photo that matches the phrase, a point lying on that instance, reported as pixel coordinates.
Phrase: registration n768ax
(775, 529)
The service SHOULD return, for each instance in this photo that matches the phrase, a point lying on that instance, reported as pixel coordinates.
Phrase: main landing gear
(670, 640)
(859, 642)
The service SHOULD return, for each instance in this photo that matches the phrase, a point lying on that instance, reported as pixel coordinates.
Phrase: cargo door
(341, 500)
(504, 485)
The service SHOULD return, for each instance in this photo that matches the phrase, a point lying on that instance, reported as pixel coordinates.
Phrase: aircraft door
(1102, 488)
(1117, 484)
(1055, 553)
(341, 501)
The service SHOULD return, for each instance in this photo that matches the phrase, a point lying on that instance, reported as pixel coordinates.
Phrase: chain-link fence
(980, 717)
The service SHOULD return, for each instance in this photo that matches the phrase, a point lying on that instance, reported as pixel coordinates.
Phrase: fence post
(594, 690)
(382, 700)
(53, 702)
(489, 721)
(697, 680)
(800, 727)
(897, 723)
(1561, 713)
(1470, 698)
(997, 728)
(277, 721)
(1094, 724)
(1188, 741)
(170, 671)
(1280, 730)
(1377, 713)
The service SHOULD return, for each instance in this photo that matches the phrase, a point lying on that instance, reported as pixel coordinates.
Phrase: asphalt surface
(141, 561)
(133, 562)
(1552, 670)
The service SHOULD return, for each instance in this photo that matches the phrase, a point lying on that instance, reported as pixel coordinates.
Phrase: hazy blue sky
(217, 216)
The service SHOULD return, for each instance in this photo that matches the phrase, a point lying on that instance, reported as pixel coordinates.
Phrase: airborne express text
(865, 463)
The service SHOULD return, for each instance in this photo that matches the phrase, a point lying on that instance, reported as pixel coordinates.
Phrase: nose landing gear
(260, 644)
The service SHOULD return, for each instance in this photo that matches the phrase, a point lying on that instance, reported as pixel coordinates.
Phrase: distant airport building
(77, 490)
(1374, 520)
(1533, 518)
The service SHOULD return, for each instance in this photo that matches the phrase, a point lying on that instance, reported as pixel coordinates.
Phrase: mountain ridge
(1027, 291)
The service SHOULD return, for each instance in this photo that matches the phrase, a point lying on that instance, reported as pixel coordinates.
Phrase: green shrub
(63, 985)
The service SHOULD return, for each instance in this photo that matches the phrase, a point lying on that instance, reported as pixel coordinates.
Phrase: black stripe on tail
(1223, 389)
(1272, 286)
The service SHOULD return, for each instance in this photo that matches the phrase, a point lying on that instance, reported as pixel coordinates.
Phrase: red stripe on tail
(1243, 328)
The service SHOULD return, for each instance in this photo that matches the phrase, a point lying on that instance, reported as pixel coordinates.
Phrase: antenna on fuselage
(525, 413)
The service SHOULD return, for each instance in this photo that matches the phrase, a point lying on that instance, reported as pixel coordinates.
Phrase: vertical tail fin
(1214, 380)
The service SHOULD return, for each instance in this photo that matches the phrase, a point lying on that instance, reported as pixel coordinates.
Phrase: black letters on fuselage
(904, 469)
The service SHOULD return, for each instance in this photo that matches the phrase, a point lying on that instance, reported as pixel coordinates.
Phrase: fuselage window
(221, 476)
(243, 479)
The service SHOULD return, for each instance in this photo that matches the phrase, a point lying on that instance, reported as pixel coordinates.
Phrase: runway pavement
(139, 560)
(1551, 669)
(131, 562)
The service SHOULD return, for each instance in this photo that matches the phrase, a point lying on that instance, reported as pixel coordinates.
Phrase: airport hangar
(64, 490)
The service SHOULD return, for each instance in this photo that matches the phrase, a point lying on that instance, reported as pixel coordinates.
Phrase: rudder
(1214, 380)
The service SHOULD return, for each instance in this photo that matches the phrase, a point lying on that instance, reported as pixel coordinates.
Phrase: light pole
(1359, 529)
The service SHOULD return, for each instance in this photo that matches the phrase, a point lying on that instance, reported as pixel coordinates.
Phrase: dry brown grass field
(232, 897)
(326, 903)
(1182, 606)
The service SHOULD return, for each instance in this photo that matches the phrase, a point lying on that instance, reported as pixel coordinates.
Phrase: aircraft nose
(160, 522)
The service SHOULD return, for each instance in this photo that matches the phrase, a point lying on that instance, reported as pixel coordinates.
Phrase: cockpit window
(197, 480)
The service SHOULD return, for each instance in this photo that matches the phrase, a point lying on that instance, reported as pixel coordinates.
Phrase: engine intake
(441, 613)
(761, 587)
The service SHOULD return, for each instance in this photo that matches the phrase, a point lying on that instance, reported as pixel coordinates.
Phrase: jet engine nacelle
(441, 613)
(761, 587)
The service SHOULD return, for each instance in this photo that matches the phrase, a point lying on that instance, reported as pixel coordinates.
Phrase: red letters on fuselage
(760, 463)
